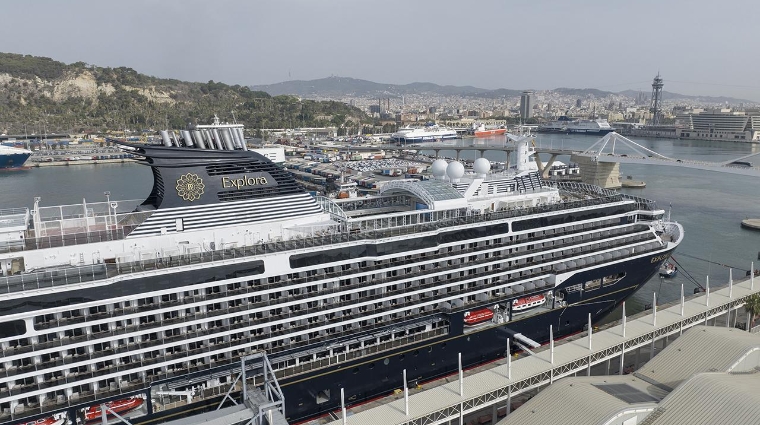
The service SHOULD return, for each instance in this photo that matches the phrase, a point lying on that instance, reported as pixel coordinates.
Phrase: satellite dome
(439, 168)
(455, 171)
(481, 166)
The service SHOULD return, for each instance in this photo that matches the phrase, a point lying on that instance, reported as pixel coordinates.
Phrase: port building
(709, 375)
(722, 125)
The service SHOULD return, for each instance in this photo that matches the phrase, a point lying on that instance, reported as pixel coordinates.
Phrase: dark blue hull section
(13, 161)
(373, 376)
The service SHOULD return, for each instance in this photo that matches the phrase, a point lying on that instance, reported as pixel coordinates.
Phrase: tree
(752, 306)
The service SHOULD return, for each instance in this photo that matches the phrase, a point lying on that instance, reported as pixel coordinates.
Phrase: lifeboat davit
(119, 406)
(477, 316)
(46, 421)
(526, 303)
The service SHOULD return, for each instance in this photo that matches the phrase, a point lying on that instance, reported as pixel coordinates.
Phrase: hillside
(83, 98)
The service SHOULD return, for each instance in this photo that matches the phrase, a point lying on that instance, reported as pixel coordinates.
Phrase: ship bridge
(435, 194)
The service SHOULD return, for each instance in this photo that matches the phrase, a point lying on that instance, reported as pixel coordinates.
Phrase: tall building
(526, 105)
(578, 103)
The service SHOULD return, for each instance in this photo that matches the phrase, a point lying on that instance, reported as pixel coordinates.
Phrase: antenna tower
(656, 108)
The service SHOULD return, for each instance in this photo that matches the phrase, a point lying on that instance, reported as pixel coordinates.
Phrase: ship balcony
(432, 284)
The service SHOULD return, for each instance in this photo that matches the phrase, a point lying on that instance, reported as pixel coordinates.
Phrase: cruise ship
(11, 157)
(143, 309)
(568, 125)
(429, 133)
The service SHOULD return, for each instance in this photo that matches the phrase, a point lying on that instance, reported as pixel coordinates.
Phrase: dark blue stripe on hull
(13, 161)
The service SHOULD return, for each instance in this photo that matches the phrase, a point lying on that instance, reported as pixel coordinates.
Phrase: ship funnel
(236, 138)
(240, 133)
(217, 139)
(176, 139)
(165, 138)
(199, 139)
(187, 137)
(227, 139)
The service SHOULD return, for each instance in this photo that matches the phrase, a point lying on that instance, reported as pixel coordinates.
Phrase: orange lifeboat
(477, 316)
(119, 406)
(527, 303)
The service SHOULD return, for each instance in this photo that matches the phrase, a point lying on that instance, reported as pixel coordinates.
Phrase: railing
(78, 274)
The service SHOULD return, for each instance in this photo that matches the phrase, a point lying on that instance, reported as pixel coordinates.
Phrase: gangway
(451, 401)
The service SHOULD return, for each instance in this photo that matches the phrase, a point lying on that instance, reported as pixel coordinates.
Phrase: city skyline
(517, 45)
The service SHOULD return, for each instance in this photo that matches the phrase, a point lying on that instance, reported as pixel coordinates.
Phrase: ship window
(12, 328)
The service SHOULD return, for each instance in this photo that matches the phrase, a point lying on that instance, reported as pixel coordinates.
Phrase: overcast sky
(703, 47)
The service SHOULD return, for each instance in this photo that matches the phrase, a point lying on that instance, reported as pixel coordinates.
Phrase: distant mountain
(341, 87)
(701, 99)
(583, 92)
(337, 87)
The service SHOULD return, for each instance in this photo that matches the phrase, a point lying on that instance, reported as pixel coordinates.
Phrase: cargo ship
(147, 307)
(483, 131)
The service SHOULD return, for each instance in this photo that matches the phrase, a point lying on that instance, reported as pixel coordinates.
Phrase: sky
(700, 47)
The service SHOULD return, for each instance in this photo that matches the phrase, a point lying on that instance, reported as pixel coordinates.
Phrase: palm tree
(752, 306)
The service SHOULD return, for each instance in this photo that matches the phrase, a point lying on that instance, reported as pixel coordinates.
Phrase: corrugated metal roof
(578, 401)
(700, 349)
(712, 399)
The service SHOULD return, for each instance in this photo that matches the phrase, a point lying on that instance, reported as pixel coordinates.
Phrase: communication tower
(656, 108)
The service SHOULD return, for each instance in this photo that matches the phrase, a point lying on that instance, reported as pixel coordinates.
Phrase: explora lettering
(659, 258)
(243, 182)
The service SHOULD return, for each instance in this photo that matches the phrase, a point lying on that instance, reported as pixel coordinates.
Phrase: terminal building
(709, 375)
(720, 125)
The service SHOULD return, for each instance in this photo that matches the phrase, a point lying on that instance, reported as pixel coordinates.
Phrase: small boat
(526, 303)
(119, 406)
(477, 316)
(668, 270)
(50, 420)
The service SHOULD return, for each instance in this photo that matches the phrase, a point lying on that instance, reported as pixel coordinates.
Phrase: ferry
(429, 133)
(228, 258)
(568, 125)
(12, 157)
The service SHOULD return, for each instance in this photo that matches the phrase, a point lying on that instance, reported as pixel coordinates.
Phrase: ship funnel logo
(190, 187)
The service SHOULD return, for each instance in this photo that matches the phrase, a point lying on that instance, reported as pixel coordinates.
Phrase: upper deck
(345, 228)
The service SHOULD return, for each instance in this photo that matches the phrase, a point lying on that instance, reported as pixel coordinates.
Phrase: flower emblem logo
(190, 187)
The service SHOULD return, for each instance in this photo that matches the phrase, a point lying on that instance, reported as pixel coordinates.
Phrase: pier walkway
(449, 402)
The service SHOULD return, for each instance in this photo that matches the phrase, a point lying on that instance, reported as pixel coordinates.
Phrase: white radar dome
(481, 166)
(455, 171)
(439, 168)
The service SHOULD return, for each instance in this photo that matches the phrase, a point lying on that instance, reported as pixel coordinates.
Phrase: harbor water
(710, 205)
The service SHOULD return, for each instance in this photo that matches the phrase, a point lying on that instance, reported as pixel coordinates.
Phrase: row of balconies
(242, 307)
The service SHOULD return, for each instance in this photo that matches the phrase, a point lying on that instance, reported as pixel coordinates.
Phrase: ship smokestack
(165, 138)
(188, 138)
(217, 139)
(242, 138)
(227, 139)
(199, 139)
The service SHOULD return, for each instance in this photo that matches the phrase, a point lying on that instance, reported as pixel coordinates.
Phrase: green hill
(79, 97)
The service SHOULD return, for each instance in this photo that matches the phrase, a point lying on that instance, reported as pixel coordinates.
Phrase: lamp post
(108, 206)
